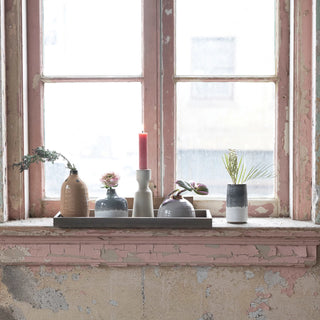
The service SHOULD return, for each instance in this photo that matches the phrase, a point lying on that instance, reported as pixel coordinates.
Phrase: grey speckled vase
(237, 203)
(174, 208)
(111, 206)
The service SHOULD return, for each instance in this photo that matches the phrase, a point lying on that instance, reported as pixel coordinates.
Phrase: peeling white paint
(35, 81)
(285, 138)
(249, 274)
(202, 274)
(207, 316)
(113, 303)
(167, 39)
(258, 315)
(273, 278)
(168, 12)
(208, 292)
(157, 272)
(16, 253)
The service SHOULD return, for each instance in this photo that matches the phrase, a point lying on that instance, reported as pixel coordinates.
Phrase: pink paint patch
(291, 275)
(261, 305)
(268, 209)
(223, 208)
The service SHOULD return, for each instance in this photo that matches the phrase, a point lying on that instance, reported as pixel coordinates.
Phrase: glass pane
(228, 37)
(96, 126)
(96, 37)
(213, 117)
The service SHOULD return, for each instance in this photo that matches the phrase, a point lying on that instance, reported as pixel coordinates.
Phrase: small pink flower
(110, 180)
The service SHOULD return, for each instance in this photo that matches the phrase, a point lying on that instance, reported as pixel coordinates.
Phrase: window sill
(260, 242)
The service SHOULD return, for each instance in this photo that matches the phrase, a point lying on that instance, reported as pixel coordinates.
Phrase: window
(182, 100)
(86, 69)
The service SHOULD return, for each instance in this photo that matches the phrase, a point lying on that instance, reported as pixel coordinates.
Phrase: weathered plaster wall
(195, 293)
(52, 273)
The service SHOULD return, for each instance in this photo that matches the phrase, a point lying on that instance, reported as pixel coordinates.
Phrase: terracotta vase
(74, 197)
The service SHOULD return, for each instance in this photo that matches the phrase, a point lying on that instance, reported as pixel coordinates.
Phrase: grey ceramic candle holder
(143, 203)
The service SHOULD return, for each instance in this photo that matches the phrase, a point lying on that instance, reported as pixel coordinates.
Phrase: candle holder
(143, 203)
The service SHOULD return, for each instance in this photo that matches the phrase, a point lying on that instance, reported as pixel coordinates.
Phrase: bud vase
(175, 208)
(143, 201)
(74, 197)
(111, 206)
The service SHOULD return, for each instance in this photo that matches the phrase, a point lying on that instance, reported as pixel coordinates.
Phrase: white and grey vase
(237, 203)
(111, 206)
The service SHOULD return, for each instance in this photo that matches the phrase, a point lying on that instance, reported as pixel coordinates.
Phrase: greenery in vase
(198, 188)
(238, 172)
(110, 180)
(40, 154)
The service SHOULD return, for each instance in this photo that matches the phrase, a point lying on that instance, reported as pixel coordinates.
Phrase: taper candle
(143, 150)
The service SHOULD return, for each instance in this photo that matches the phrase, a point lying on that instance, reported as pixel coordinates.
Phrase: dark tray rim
(203, 219)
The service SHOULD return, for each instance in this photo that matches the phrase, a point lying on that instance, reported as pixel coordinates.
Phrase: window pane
(96, 37)
(213, 117)
(228, 37)
(96, 126)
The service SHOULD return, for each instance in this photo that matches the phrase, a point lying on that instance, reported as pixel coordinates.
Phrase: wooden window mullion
(35, 102)
(168, 94)
(301, 147)
(151, 89)
(16, 105)
(282, 109)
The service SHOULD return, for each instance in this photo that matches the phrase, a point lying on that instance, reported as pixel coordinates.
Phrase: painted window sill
(260, 242)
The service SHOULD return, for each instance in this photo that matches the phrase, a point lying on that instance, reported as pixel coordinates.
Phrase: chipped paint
(137, 293)
(207, 316)
(249, 274)
(273, 278)
(166, 40)
(202, 274)
(203, 248)
(13, 253)
(285, 140)
(10, 313)
(291, 276)
(113, 303)
(23, 287)
(259, 305)
(36, 81)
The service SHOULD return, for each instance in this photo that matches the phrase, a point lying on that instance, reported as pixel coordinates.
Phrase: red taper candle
(143, 148)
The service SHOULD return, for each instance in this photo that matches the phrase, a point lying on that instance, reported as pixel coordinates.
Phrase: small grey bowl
(175, 208)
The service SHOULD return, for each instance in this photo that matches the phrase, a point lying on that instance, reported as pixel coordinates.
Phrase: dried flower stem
(40, 154)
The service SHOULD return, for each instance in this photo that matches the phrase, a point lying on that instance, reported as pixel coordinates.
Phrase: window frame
(279, 206)
(39, 205)
(161, 109)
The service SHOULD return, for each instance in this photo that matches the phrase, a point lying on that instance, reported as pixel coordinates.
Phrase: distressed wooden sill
(260, 242)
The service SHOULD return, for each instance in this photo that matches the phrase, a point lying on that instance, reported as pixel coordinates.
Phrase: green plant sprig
(40, 154)
(198, 188)
(237, 171)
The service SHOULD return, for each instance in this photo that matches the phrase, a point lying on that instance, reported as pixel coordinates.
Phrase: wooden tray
(203, 220)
